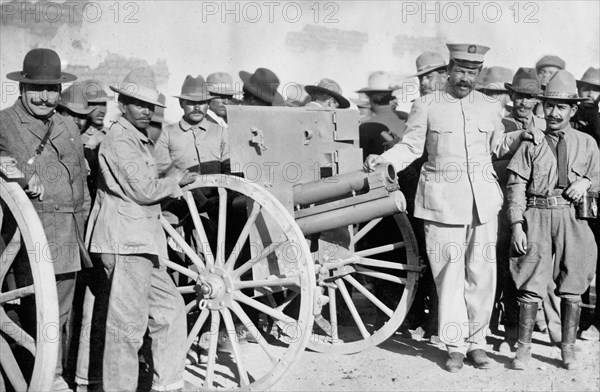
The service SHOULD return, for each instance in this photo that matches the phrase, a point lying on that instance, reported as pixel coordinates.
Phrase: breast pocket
(485, 131)
(439, 140)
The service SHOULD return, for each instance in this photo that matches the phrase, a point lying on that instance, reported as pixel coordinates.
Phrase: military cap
(467, 55)
(550, 60)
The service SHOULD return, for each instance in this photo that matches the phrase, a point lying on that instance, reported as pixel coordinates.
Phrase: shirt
(533, 169)
(203, 148)
(92, 137)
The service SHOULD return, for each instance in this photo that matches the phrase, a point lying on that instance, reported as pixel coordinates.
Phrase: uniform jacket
(459, 136)
(62, 170)
(126, 215)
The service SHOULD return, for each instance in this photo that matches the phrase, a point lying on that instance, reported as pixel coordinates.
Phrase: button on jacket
(210, 154)
(126, 216)
(460, 136)
(62, 170)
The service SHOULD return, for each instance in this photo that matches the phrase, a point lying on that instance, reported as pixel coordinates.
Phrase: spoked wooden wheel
(29, 335)
(258, 283)
(368, 288)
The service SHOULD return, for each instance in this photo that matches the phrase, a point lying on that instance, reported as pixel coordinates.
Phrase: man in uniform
(459, 199)
(432, 72)
(550, 242)
(196, 142)
(125, 231)
(73, 106)
(39, 140)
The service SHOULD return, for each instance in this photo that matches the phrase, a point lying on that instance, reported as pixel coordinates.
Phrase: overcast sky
(301, 41)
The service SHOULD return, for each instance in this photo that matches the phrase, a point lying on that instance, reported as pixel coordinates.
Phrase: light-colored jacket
(460, 136)
(125, 218)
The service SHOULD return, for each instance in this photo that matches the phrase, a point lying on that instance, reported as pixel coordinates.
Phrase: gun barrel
(334, 187)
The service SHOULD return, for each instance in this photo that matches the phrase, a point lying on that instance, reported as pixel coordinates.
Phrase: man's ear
(121, 107)
(573, 109)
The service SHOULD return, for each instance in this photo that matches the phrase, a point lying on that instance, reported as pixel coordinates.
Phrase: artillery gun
(292, 251)
(27, 291)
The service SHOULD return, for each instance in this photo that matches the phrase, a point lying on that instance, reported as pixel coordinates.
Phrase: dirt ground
(406, 364)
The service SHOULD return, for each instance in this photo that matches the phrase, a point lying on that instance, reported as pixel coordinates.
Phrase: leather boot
(569, 318)
(527, 313)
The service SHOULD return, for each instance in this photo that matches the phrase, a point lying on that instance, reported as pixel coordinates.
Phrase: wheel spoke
(203, 244)
(181, 242)
(17, 293)
(16, 333)
(387, 264)
(380, 249)
(333, 314)
(231, 333)
(197, 326)
(186, 289)
(212, 348)
(222, 226)
(363, 290)
(193, 303)
(263, 255)
(269, 282)
(274, 313)
(11, 367)
(10, 253)
(381, 275)
(364, 231)
(252, 330)
(181, 269)
(243, 237)
(353, 311)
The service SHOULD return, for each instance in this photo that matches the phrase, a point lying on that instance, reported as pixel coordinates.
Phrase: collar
(185, 126)
(566, 130)
(215, 117)
(134, 131)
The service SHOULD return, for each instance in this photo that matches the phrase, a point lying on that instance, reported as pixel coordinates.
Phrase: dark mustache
(48, 103)
(464, 84)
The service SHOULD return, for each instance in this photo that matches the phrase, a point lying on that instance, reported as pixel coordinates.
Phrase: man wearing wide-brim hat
(432, 72)
(197, 142)
(38, 138)
(547, 66)
(587, 118)
(328, 94)
(73, 105)
(222, 88)
(260, 88)
(383, 121)
(125, 232)
(545, 182)
(491, 83)
(458, 199)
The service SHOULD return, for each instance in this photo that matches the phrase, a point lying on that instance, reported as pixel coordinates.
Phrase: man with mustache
(550, 242)
(125, 233)
(458, 198)
(223, 90)
(196, 142)
(48, 150)
(521, 124)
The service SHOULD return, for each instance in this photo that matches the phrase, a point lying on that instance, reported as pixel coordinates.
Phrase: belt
(548, 202)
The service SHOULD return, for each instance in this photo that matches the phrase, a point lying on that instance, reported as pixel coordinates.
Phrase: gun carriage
(296, 245)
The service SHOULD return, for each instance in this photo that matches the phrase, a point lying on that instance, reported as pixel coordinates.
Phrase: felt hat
(429, 62)
(159, 112)
(195, 89)
(263, 83)
(140, 84)
(590, 77)
(494, 78)
(561, 87)
(329, 87)
(221, 83)
(41, 66)
(378, 82)
(525, 81)
(550, 60)
(73, 99)
(93, 91)
(467, 55)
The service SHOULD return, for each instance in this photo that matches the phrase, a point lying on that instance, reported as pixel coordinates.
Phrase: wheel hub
(214, 287)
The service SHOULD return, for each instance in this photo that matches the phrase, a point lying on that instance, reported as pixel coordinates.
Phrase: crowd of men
(485, 158)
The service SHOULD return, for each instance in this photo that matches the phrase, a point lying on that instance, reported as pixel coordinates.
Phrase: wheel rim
(28, 362)
(215, 281)
(365, 268)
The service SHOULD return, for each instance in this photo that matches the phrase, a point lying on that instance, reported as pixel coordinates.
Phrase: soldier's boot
(527, 313)
(570, 312)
